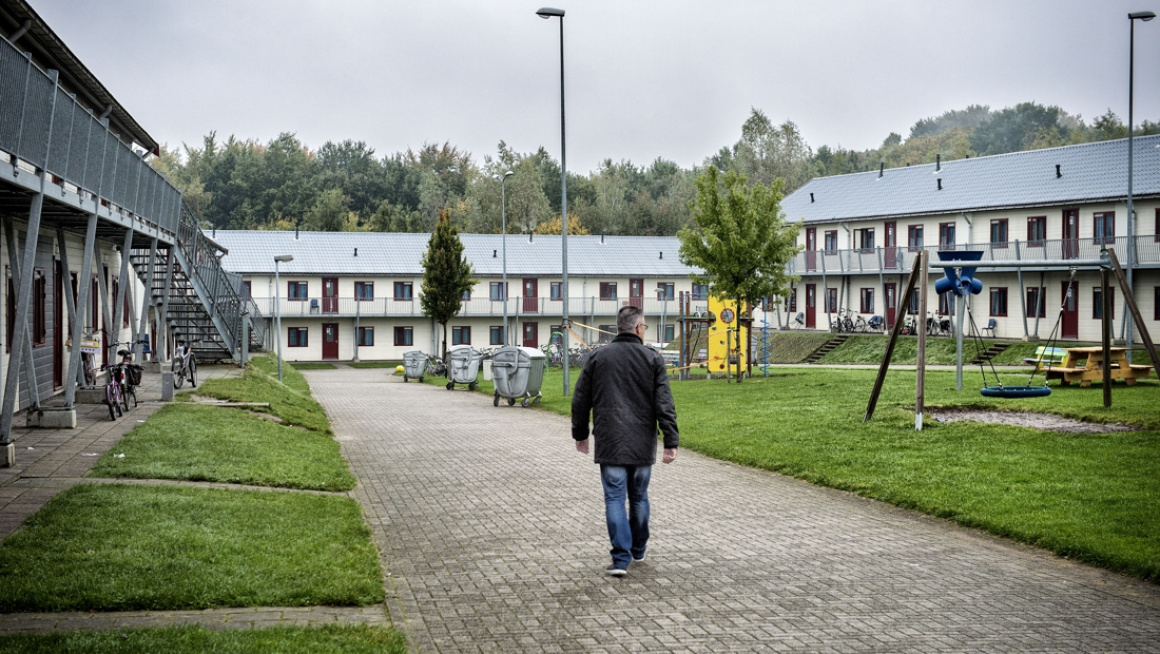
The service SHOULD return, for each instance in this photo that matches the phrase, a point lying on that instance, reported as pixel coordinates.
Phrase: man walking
(625, 387)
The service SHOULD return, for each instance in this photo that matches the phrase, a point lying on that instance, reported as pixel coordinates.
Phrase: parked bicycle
(184, 365)
(114, 397)
(128, 376)
(936, 326)
(436, 366)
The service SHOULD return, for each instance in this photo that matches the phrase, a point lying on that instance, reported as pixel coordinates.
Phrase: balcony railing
(1146, 250)
(45, 127)
(579, 308)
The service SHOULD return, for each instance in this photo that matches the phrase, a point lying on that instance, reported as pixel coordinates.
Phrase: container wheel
(450, 386)
(404, 379)
(511, 401)
(472, 386)
(420, 379)
(524, 402)
(537, 400)
(495, 402)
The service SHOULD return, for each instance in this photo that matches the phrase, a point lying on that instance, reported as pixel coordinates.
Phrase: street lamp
(503, 242)
(281, 258)
(546, 13)
(1132, 18)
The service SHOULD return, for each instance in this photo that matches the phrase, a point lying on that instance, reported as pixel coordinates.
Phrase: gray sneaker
(613, 571)
(638, 560)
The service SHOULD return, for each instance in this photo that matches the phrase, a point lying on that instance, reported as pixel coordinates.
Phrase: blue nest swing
(1010, 392)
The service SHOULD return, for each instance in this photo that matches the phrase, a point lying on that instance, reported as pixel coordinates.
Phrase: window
(40, 307)
(1098, 305)
(999, 233)
(864, 238)
(404, 336)
(945, 304)
(998, 301)
(496, 292)
(461, 335)
(607, 290)
(495, 335)
(666, 290)
(866, 304)
(466, 297)
(366, 336)
(1156, 231)
(946, 236)
(832, 241)
(914, 237)
(831, 300)
(668, 332)
(792, 300)
(297, 337)
(1104, 226)
(912, 309)
(297, 291)
(247, 290)
(607, 332)
(403, 291)
(1036, 302)
(556, 291)
(700, 291)
(1036, 231)
(1156, 300)
(364, 291)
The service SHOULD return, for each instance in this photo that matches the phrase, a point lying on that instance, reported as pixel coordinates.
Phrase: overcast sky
(644, 78)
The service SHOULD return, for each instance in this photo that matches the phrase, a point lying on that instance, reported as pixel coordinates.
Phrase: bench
(1046, 355)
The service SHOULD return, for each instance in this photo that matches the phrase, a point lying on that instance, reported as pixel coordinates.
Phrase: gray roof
(253, 252)
(1091, 172)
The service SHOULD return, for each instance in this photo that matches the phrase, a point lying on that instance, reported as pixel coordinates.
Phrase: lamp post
(503, 244)
(281, 258)
(1132, 18)
(546, 13)
(663, 296)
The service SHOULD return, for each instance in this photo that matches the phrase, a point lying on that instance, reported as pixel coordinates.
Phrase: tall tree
(739, 238)
(446, 274)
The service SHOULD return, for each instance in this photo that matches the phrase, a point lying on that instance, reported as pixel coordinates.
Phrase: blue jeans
(628, 531)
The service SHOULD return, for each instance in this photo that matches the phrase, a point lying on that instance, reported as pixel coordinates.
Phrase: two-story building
(356, 296)
(861, 232)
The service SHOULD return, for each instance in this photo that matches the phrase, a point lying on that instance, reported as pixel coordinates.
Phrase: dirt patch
(1042, 421)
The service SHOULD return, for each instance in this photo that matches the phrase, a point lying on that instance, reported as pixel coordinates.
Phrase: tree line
(283, 184)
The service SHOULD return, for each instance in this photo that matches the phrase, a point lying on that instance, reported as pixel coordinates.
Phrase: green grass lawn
(122, 548)
(229, 445)
(330, 639)
(290, 401)
(1094, 497)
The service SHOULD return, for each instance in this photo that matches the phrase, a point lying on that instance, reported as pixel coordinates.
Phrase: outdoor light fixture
(546, 13)
(503, 241)
(281, 258)
(1132, 18)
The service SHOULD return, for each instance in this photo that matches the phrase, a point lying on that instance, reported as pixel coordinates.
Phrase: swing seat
(1015, 391)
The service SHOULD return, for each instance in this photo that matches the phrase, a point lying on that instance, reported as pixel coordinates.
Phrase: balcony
(578, 307)
(901, 259)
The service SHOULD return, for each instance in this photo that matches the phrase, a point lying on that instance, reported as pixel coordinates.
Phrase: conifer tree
(446, 274)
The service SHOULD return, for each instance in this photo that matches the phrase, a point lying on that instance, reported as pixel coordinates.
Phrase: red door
(329, 340)
(1070, 327)
(811, 248)
(58, 326)
(1070, 233)
(636, 293)
(891, 304)
(811, 304)
(531, 334)
(531, 301)
(890, 256)
(330, 295)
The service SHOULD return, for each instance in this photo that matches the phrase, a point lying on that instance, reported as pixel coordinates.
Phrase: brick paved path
(491, 529)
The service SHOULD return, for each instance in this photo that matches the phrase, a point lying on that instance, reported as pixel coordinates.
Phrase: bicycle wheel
(130, 394)
(192, 372)
(125, 399)
(178, 369)
(111, 401)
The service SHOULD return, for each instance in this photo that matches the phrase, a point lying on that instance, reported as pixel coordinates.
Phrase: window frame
(912, 243)
(1098, 306)
(461, 335)
(494, 291)
(945, 230)
(1036, 227)
(865, 239)
(1108, 220)
(365, 336)
(831, 300)
(495, 335)
(404, 291)
(404, 336)
(670, 290)
(1000, 225)
(297, 337)
(603, 336)
(998, 301)
(297, 291)
(1034, 292)
(608, 291)
(830, 241)
(791, 301)
(699, 292)
(360, 291)
(866, 300)
(556, 291)
(40, 307)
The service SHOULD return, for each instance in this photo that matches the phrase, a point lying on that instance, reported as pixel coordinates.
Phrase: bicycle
(184, 365)
(113, 395)
(128, 376)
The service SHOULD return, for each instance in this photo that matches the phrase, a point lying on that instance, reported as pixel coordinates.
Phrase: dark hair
(628, 318)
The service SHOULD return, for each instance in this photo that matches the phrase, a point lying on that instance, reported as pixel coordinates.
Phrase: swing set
(959, 267)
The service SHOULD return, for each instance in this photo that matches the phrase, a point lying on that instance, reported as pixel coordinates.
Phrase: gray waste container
(414, 365)
(518, 373)
(462, 366)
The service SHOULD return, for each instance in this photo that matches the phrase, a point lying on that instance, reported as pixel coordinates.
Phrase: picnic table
(1085, 364)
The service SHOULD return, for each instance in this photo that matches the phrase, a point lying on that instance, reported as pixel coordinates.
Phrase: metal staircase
(205, 303)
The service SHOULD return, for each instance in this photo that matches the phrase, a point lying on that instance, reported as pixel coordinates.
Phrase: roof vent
(295, 232)
(811, 198)
(531, 236)
(602, 239)
(937, 163)
(494, 253)
(881, 169)
(1058, 173)
(940, 183)
(356, 252)
(662, 253)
